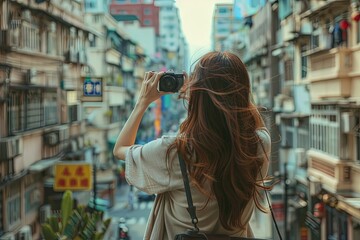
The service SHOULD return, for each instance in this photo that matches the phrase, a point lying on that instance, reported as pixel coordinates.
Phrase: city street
(136, 218)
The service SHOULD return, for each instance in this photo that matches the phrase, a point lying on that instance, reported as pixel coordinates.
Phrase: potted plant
(74, 223)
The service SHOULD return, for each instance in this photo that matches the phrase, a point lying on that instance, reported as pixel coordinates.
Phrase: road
(136, 218)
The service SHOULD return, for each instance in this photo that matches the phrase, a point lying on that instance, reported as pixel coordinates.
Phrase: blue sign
(92, 87)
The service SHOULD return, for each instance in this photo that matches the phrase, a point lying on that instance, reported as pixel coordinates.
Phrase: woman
(222, 140)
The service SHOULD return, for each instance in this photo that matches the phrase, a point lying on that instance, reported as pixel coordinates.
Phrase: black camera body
(170, 82)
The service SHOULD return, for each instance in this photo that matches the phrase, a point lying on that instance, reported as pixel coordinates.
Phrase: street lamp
(95, 154)
(285, 149)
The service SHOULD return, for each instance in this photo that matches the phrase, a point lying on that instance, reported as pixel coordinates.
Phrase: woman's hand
(148, 92)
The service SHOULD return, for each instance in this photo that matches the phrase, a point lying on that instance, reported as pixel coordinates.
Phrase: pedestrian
(131, 198)
(223, 141)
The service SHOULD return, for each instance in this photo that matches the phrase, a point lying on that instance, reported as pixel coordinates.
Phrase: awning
(43, 164)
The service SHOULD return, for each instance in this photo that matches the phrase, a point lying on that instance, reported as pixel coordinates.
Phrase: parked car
(101, 204)
(145, 197)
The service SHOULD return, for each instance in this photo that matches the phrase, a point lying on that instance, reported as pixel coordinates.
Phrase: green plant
(74, 223)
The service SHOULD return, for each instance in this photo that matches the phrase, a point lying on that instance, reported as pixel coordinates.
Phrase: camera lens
(167, 83)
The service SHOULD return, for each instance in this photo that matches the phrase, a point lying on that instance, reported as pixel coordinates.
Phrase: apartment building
(333, 79)
(42, 57)
(315, 46)
(119, 61)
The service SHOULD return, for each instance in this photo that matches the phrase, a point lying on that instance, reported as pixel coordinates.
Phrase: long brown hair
(218, 138)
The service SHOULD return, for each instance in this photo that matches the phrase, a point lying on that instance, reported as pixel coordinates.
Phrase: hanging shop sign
(92, 89)
(73, 176)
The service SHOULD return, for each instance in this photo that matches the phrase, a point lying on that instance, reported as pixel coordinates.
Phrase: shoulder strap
(191, 208)
(267, 196)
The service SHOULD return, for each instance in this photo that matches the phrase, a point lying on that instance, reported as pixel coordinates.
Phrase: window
(303, 62)
(92, 41)
(223, 10)
(51, 39)
(147, 11)
(32, 198)
(73, 113)
(289, 74)
(13, 205)
(30, 36)
(33, 109)
(325, 129)
(147, 22)
(50, 108)
(30, 109)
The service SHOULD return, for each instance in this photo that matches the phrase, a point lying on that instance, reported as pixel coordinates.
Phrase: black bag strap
(267, 197)
(192, 209)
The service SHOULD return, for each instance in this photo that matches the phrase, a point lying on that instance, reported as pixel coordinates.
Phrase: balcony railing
(334, 173)
(332, 64)
(329, 73)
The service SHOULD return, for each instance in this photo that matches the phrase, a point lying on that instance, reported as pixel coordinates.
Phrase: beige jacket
(148, 169)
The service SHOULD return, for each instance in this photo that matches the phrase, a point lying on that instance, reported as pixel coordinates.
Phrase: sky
(196, 21)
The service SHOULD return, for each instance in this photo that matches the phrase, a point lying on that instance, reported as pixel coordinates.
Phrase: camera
(170, 82)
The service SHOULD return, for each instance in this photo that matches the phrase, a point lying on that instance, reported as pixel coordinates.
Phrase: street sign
(92, 89)
(73, 176)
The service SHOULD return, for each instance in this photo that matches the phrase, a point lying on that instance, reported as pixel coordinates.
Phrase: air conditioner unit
(25, 233)
(9, 148)
(45, 213)
(8, 236)
(347, 123)
(51, 138)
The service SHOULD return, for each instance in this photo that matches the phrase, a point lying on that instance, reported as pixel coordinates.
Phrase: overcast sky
(196, 20)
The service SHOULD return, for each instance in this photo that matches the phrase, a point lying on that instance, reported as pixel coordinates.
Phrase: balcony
(329, 73)
(334, 174)
(71, 56)
(324, 7)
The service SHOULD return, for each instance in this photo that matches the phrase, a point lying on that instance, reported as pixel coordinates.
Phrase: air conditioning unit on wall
(51, 138)
(9, 148)
(347, 123)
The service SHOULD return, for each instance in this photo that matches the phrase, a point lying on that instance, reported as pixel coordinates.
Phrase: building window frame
(13, 205)
(31, 108)
(325, 129)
